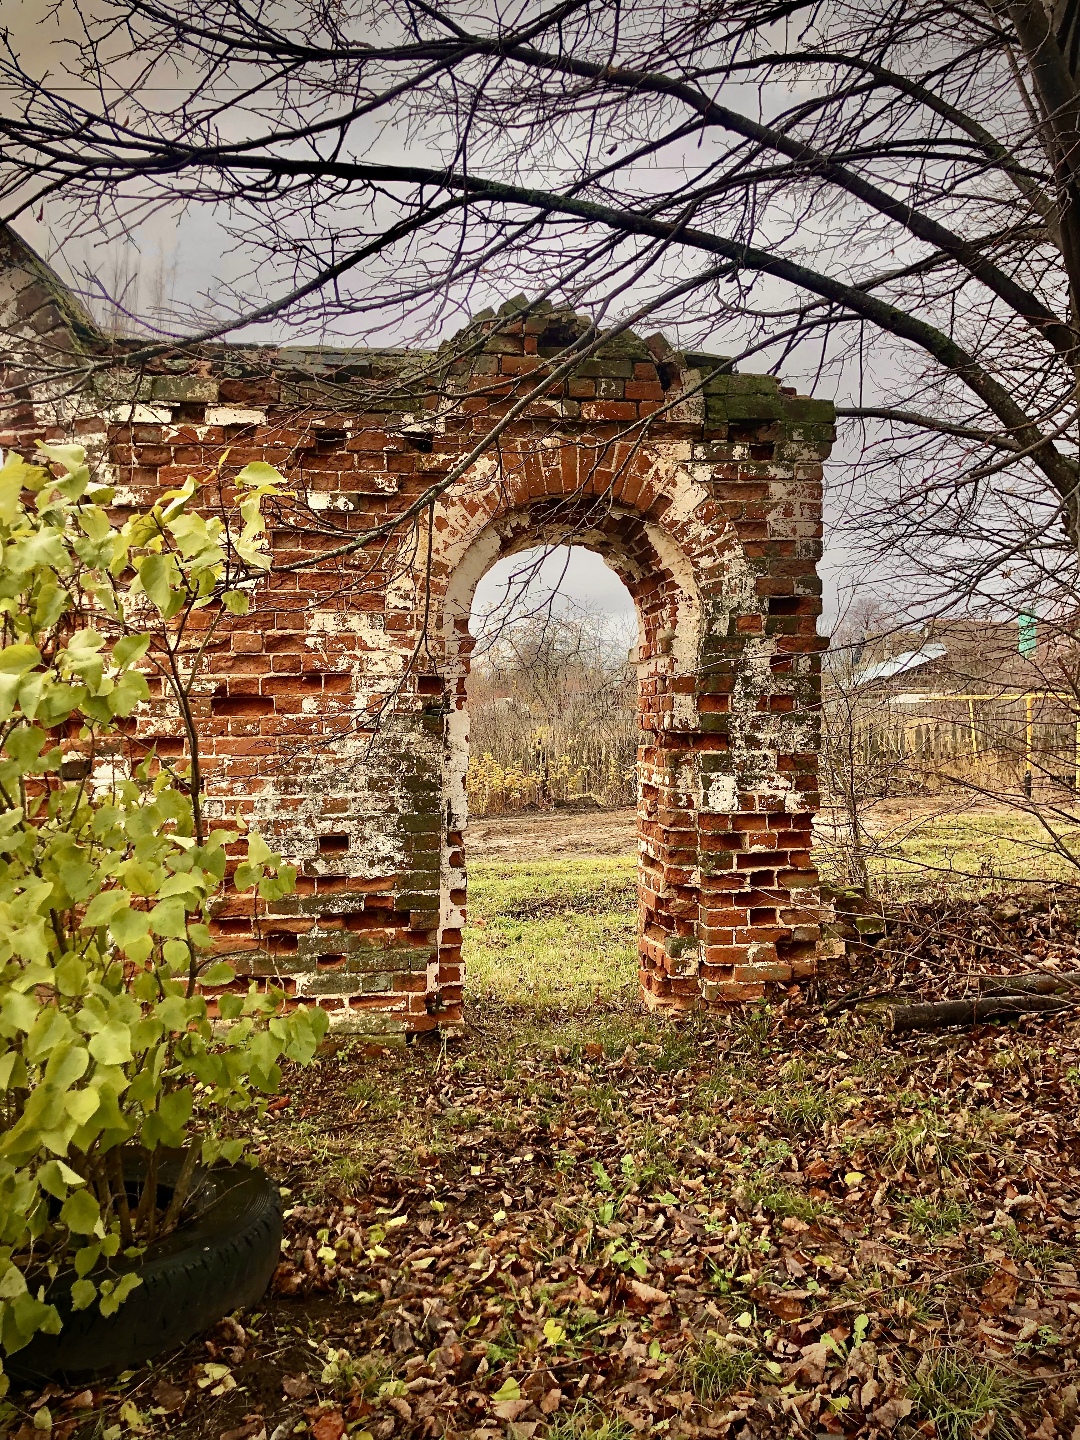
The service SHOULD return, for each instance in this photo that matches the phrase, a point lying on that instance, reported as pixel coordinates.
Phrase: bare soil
(548, 834)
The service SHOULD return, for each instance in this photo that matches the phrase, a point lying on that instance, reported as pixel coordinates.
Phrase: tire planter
(220, 1258)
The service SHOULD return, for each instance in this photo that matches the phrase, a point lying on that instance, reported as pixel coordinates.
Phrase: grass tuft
(586, 1421)
(716, 1369)
(965, 1398)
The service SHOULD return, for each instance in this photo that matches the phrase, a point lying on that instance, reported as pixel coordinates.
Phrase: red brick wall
(335, 713)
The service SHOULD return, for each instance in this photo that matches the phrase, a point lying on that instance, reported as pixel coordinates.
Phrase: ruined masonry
(335, 713)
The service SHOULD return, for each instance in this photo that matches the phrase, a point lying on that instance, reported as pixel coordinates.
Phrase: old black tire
(218, 1260)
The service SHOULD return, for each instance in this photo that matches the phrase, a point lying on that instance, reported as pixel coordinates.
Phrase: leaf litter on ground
(768, 1224)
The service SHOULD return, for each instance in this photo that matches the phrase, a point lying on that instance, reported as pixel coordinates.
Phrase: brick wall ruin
(335, 713)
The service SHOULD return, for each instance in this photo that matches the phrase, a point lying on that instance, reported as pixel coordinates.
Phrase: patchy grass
(965, 1398)
(561, 935)
(717, 1368)
(998, 848)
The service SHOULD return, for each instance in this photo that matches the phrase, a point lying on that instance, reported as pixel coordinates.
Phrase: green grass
(933, 1218)
(995, 847)
(965, 1398)
(716, 1369)
(554, 934)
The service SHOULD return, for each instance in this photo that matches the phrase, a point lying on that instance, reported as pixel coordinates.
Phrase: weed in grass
(805, 1107)
(1041, 1254)
(346, 1374)
(377, 1098)
(586, 1421)
(783, 1201)
(351, 1170)
(752, 1031)
(503, 1346)
(1013, 1057)
(965, 1398)
(678, 1046)
(919, 1143)
(716, 1369)
(931, 1218)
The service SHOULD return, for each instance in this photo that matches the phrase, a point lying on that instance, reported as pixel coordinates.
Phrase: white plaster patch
(234, 415)
(721, 795)
(139, 414)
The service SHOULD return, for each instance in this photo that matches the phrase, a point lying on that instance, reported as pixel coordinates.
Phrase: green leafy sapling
(108, 872)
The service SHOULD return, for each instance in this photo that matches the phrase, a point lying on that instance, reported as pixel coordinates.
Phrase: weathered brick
(727, 898)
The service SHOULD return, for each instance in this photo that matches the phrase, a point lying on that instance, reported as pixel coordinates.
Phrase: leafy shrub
(107, 875)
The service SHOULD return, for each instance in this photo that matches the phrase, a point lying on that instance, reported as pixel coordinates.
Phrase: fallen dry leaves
(761, 1226)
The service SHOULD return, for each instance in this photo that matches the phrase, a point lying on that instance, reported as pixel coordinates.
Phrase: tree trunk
(936, 1014)
(1067, 982)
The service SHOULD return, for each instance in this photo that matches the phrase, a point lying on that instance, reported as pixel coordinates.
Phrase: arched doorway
(725, 886)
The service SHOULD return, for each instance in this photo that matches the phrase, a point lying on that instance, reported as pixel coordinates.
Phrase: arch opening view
(551, 784)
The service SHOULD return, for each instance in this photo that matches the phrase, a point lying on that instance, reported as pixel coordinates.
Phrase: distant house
(972, 691)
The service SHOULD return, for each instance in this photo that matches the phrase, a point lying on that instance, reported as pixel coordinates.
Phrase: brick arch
(328, 710)
(681, 560)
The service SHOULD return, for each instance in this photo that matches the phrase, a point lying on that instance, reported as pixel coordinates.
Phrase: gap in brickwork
(553, 727)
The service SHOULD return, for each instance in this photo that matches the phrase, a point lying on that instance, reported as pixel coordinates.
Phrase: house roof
(901, 664)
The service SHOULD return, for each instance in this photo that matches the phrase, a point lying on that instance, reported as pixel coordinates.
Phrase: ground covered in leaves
(586, 1222)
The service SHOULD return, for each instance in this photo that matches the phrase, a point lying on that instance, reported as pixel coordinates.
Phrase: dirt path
(548, 834)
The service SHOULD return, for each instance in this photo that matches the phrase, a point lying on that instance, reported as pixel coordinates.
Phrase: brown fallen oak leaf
(251, 1430)
(649, 1293)
(810, 1367)
(889, 1415)
(787, 1304)
(169, 1397)
(999, 1292)
(287, 1279)
(84, 1399)
(551, 1402)
(298, 1387)
(511, 1409)
(330, 1425)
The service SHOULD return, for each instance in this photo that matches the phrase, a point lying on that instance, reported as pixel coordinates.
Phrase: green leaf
(82, 1105)
(111, 1046)
(220, 973)
(165, 1126)
(159, 576)
(129, 649)
(259, 473)
(508, 1390)
(12, 1071)
(18, 1012)
(57, 1178)
(15, 477)
(18, 659)
(258, 852)
(71, 975)
(127, 924)
(236, 602)
(130, 690)
(118, 1293)
(83, 1294)
(24, 745)
(168, 918)
(80, 1213)
(70, 457)
(104, 906)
